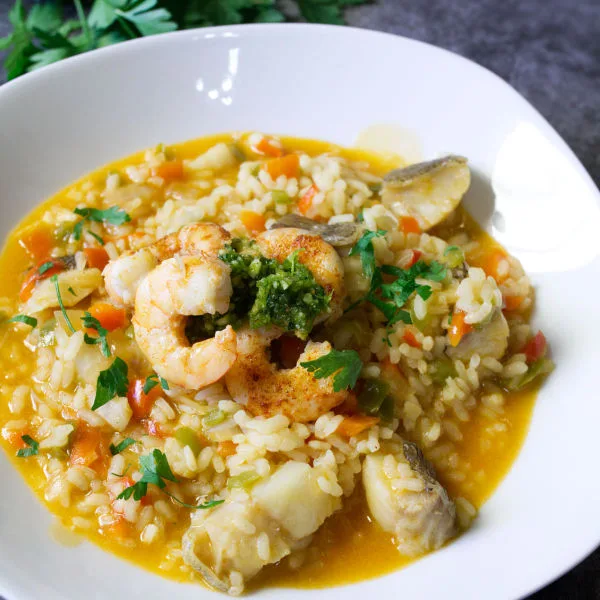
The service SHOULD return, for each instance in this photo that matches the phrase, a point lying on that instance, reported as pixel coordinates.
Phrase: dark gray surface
(549, 50)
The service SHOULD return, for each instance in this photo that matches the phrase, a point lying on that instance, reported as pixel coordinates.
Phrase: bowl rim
(88, 59)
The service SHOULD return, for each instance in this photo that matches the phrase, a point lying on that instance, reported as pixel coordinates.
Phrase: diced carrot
(535, 348)
(409, 225)
(111, 317)
(305, 203)
(119, 528)
(34, 276)
(88, 446)
(37, 242)
(355, 424)
(141, 403)
(13, 437)
(492, 262)
(226, 448)
(266, 146)
(254, 222)
(288, 165)
(513, 302)
(96, 257)
(458, 328)
(410, 338)
(169, 170)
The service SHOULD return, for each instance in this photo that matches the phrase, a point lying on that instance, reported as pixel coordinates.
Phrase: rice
(50, 389)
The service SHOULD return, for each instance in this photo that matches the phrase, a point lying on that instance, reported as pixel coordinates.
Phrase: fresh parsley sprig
(152, 381)
(90, 322)
(32, 447)
(122, 445)
(43, 35)
(156, 471)
(344, 365)
(111, 382)
(113, 216)
(31, 321)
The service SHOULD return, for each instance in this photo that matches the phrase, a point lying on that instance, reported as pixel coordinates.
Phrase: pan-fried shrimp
(123, 276)
(179, 287)
(316, 254)
(264, 389)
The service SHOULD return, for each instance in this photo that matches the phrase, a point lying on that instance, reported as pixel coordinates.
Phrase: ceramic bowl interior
(331, 83)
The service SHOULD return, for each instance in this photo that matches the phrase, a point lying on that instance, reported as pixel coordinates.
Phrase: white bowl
(331, 83)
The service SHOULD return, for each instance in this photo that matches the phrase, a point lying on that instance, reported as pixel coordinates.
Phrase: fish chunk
(427, 191)
(336, 234)
(282, 511)
(406, 500)
(489, 340)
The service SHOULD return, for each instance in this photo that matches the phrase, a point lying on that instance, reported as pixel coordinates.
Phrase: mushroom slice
(247, 532)
(427, 191)
(406, 499)
(336, 234)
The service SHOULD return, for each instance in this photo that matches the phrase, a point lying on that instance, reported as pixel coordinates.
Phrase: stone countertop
(549, 50)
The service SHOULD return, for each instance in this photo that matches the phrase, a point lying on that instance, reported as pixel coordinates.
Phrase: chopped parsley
(152, 381)
(31, 450)
(156, 471)
(45, 267)
(96, 237)
(265, 292)
(90, 322)
(31, 321)
(364, 248)
(113, 216)
(54, 280)
(122, 445)
(71, 291)
(344, 365)
(111, 382)
(390, 295)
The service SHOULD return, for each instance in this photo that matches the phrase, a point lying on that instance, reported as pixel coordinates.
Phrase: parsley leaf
(32, 450)
(364, 248)
(90, 322)
(96, 237)
(43, 36)
(111, 382)
(121, 446)
(152, 381)
(344, 365)
(54, 280)
(156, 471)
(31, 321)
(45, 267)
(113, 216)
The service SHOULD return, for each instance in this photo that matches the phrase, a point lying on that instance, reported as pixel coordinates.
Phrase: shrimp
(179, 287)
(256, 383)
(319, 257)
(123, 276)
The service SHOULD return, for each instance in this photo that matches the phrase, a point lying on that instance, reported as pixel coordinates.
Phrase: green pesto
(265, 292)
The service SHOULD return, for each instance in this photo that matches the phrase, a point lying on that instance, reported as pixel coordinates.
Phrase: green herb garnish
(54, 280)
(31, 321)
(96, 237)
(121, 446)
(71, 291)
(364, 248)
(32, 450)
(90, 322)
(152, 381)
(111, 382)
(156, 471)
(43, 36)
(113, 216)
(45, 267)
(344, 365)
